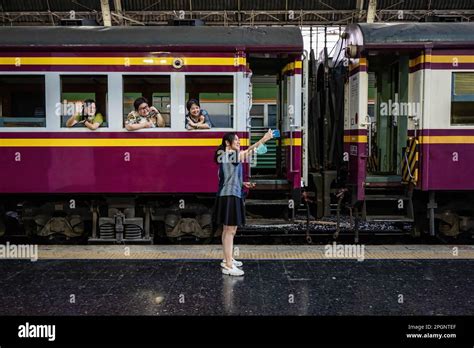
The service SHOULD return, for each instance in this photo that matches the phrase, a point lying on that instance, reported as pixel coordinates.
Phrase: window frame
(106, 112)
(235, 115)
(459, 99)
(115, 93)
(172, 76)
(265, 112)
(45, 96)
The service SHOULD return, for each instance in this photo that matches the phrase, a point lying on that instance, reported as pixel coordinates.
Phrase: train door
(263, 115)
(276, 104)
(385, 196)
(387, 129)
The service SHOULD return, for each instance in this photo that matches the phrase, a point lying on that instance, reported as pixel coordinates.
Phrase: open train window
(22, 101)
(272, 116)
(462, 99)
(257, 115)
(156, 89)
(262, 115)
(78, 92)
(215, 94)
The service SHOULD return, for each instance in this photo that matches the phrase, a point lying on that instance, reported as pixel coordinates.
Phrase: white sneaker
(234, 262)
(234, 271)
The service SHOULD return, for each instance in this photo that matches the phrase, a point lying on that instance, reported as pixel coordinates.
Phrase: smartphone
(276, 133)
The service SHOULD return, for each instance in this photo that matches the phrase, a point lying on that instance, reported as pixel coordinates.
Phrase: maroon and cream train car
(413, 153)
(114, 182)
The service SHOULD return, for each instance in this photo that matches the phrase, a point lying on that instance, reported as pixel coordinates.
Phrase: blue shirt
(230, 175)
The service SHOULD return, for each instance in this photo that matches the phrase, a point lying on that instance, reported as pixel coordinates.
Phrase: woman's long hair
(229, 137)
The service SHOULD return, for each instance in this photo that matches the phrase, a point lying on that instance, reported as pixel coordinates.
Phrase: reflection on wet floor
(229, 286)
(271, 287)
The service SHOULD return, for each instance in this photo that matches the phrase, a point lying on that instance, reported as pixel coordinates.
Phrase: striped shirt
(230, 175)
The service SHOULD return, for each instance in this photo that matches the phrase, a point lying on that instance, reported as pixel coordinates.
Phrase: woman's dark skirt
(230, 211)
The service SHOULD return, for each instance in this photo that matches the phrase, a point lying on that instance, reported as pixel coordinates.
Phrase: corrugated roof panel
(230, 5)
(92, 9)
(154, 5)
(54, 5)
(216, 5)
(424, 5)
(309, 5)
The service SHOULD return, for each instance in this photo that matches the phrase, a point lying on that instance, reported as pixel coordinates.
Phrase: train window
(260, 117)
(257, 115)
(215, 95)
(22, 101)
(156, 89)
(79, 95)
(272, 116)
(462, 100)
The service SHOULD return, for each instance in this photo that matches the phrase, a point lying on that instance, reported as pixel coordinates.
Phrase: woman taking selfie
(230, 210)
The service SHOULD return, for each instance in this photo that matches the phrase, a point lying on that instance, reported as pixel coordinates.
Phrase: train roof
(412, 34)
(168, 38)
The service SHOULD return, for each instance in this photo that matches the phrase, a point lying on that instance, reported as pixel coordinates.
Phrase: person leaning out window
(144, 116)
(88, 116)
(197, 118)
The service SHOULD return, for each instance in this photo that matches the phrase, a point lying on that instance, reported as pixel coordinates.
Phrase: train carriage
(61, 180)
(408, 121)
(383, 127)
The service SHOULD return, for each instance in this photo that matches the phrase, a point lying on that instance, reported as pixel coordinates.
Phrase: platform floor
(249, 252)
(186, 280)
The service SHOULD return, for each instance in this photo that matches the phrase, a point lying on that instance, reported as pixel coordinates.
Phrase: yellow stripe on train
(447, 59)
(446, 139)
(292, 66)
(358, 63)
(355, 138)
(419, 60)
(288, 142)
(116, 142)
(125, 61)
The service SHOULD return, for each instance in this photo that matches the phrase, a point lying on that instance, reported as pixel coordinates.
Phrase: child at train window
(88, 116)
(143, 116)
(197, 118)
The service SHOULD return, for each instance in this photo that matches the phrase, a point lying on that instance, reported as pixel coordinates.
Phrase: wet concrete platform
(269, 287)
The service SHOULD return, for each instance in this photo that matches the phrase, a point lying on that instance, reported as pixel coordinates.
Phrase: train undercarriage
(117, 219)
(134, 220)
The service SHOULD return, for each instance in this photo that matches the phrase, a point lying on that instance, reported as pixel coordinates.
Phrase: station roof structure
(230, 12)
